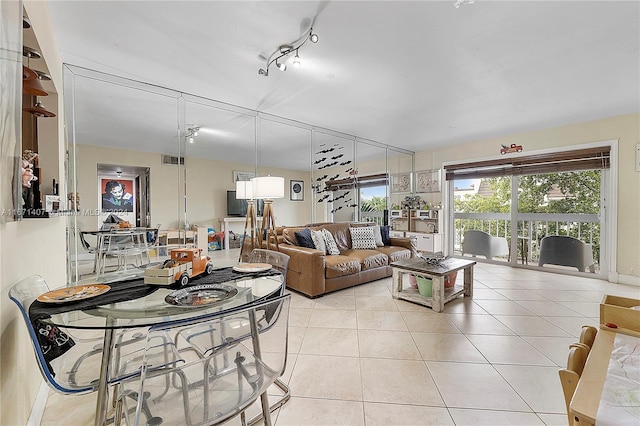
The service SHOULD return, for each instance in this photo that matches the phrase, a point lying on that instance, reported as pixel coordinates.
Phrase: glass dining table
(134, 304)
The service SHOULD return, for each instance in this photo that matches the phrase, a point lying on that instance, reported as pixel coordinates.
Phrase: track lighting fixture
(192, 132)
(281, 54)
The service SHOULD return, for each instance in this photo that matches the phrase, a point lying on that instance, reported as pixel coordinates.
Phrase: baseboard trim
(629, 280)
(37, 410)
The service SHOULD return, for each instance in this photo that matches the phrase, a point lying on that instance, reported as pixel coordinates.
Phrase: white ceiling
(415, 74)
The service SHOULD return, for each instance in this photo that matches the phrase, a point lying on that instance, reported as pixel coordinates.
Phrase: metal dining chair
(209, 390)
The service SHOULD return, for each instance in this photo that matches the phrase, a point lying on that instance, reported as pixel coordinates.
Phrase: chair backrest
(563, 250)
(23, 294)
(477, 242)
(588, 335)
(570, 376)
(279, 261)
(226, 381)
(83, 240)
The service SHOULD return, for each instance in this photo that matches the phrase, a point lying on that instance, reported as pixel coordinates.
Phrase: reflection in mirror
(372, 182)
(333, 170)
(120, 149)
(284, 149)
(220, 140)
(182, 153)
(400, 165)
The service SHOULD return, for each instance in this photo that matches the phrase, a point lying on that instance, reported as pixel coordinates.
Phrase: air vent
(170, 159)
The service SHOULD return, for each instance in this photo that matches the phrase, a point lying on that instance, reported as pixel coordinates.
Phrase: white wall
(31, 246)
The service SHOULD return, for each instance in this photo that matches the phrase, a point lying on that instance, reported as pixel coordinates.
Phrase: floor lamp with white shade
(244, 191)
(268, 188)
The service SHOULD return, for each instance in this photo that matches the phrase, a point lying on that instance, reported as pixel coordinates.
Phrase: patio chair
(209, 389)
(568, 251)
(483, 244)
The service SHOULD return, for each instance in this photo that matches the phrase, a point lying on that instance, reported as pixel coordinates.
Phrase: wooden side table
(436, 273)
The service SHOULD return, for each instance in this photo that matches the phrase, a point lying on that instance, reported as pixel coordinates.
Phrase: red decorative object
(509, 149)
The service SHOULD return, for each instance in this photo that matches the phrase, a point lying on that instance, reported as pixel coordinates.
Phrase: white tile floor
(359, 357)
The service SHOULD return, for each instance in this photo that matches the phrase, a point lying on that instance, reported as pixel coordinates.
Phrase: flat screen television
(237, 207)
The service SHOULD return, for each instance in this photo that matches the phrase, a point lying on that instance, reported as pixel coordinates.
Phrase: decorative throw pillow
(303, 238)
(377, 235)
(384, 231)
(362, 238)
(332, 248)
(318, 241)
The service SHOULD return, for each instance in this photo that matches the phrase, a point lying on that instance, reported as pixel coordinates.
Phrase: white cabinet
(426, 242)
(396, 234)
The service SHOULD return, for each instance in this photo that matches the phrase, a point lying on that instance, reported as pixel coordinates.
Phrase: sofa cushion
(362, 238)
(395, 253)
(332, 248)
(384, 231)
(339, 266)
(341, 235)
(369, 259)
(303, 238)
(318, 241)
(377, 235)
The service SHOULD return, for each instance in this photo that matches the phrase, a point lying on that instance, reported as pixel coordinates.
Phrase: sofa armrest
(306, 270)
(408, 243)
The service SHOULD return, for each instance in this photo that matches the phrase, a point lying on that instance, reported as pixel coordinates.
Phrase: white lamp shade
(268, 187)
(244, 190)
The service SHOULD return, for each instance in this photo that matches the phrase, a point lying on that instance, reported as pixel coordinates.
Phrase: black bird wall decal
(320, 160)
(324, 151)
(324, 198)
(335, 177)
(337, 156)
(345, 163)
(328, 165)
(321, 178)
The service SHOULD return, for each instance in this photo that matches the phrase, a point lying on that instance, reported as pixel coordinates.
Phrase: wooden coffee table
(437, 273)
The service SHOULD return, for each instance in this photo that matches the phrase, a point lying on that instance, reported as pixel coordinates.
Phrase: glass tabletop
(152, 309)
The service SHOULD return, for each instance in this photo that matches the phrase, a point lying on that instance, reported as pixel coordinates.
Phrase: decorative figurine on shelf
(411, 202)
(74, 201)
(29, 159)
(509, 149)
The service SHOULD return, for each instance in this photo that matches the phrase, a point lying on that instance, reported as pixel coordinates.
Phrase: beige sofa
(314, 273)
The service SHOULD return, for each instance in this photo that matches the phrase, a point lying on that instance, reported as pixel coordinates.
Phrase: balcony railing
(376, 217)
(531, 228)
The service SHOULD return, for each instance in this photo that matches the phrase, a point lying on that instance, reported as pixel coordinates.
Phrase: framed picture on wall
(296, 190)
(400, 182)
(242, 176)
(428, 181)
(117, 195)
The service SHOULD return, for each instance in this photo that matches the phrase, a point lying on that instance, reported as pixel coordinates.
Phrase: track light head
(296, 60)
(282, 66)
(313, 38)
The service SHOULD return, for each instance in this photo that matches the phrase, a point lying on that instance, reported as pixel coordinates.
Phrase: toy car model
(513, 148)
(185, 263)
